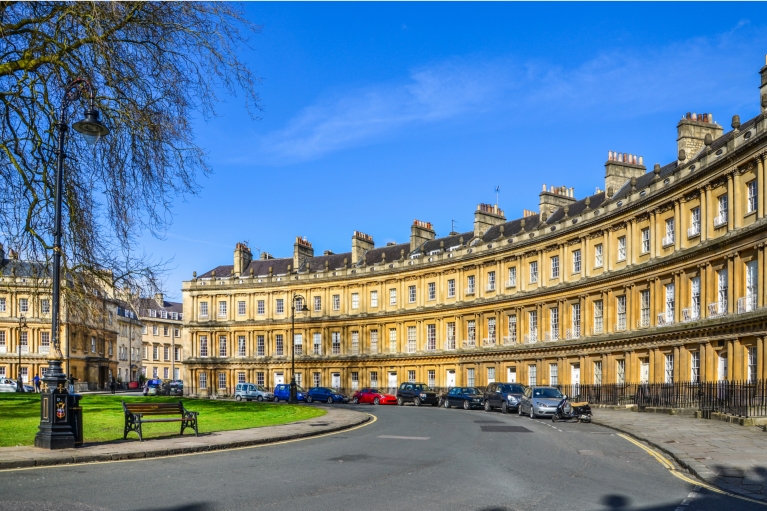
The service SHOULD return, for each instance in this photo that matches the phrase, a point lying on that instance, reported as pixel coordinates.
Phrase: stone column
(760, 191)
(730, 286)
(760, 358)
(706, 220)
(678, 224)
(760, 275)
(630, 233)
(704, 374)
(677, 296)
(606, 257)
(653, 234)
(730, 359)
(585, 256)
(730, 202)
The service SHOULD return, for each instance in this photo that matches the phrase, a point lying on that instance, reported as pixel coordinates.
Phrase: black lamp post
(293, 391)
(19, 382)
(55, 430)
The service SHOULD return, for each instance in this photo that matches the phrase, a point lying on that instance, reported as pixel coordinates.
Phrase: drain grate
(505, 429)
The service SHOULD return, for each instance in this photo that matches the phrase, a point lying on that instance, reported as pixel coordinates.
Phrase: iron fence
(745, 399)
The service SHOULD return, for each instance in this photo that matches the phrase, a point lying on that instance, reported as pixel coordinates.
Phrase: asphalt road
(410, 459)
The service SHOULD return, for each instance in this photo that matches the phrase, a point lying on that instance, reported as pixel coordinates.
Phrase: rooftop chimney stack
(763, 86)
(420, 233)
(554, 198)
(692, 131)
(242, 258)
(302, 250)
(620, 168)
(361, 243)
(160, 299)
(486, 216)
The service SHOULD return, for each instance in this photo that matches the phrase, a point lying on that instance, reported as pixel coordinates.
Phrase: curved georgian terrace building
(659, 277)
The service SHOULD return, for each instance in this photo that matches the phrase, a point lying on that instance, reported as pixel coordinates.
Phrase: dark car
(505, 396)
(325, 394)
(174, 387)
(416, 393)
(466, 397)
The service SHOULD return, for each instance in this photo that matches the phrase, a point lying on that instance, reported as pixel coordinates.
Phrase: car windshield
(299, 388)
(547, 393)
(512, 389)
(260, 387)
(421, 387)
(470, 390)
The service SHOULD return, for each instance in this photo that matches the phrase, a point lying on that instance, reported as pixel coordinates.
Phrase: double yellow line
(670, 467)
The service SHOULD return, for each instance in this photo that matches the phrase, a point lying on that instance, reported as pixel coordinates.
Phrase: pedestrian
(112, 385)
(36, 379)
(72, 380)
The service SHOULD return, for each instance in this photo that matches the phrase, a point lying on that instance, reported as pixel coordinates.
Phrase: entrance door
(450, 380)
(392, 380)
(279, 379)
(511, 374)
(335, 380)
(722, 369)
(575, 374)
(644, 371)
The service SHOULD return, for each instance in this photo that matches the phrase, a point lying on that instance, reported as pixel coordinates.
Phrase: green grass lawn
(104, 419)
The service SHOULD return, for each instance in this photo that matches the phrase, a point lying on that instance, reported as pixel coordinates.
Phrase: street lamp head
(91, 127)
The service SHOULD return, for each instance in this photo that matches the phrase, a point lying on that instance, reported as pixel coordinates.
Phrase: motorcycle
(566, 410)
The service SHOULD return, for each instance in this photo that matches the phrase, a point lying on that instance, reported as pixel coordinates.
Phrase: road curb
(66, 459)
(687, 464)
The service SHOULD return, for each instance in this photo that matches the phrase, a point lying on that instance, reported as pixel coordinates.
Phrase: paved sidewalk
(729, 456)
(335, 420)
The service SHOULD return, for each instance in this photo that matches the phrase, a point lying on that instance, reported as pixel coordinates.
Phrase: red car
(374, 397)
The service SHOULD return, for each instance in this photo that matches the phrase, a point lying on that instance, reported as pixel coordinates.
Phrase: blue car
(325, 394)
(282, 393)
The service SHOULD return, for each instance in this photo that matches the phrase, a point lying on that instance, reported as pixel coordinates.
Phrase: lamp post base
(293, 399)
(56, 414)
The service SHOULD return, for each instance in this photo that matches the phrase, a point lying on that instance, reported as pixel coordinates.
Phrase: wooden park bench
(135, 414)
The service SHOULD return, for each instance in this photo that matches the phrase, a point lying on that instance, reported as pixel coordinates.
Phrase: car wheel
(376, 401)
(504, 407)
(330, 400)
(417, 401)
(488, 408)
(238, 398)
(355, 401)
(447, 403)
(466, 404)
(276, 399)
(400, 401)
(519, 409)
(555, 417)
(309, 399)
(532, 412)
(260, 398)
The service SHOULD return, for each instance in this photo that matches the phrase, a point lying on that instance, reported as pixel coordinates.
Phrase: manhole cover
(505, 429)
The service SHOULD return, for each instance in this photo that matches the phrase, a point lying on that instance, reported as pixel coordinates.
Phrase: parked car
(374, 397)
(282, 392)
(251, 391)
(416, 393)
(505, 396)
(466, 397)
(174, 387)
(153, 388)
(540, 401)
(325, 394)
(7, 385)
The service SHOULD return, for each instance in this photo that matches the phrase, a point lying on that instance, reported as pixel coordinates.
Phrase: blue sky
(378, 113)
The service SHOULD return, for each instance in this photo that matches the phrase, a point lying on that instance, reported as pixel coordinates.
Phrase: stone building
(88, 338)
(161, 348)
(129, 342)
(659, 277)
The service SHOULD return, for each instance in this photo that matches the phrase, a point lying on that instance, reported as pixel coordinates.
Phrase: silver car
(251, 391)
(540, 401)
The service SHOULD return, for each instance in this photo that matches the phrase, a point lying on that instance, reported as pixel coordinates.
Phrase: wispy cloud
(623, 82)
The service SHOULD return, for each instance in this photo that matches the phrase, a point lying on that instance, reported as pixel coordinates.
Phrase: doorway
(575, 374)
(511, 374)
(450, 380)
(722, 367)
(335, 380)
(279, 379)
(644, 370)
(392, 380)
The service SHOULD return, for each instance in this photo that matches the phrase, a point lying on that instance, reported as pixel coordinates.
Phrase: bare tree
(154, 66)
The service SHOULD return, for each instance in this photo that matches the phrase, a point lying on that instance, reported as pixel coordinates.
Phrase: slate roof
(150, 303)
(23, 268)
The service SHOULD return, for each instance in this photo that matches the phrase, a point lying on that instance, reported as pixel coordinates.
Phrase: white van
(251, 391)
